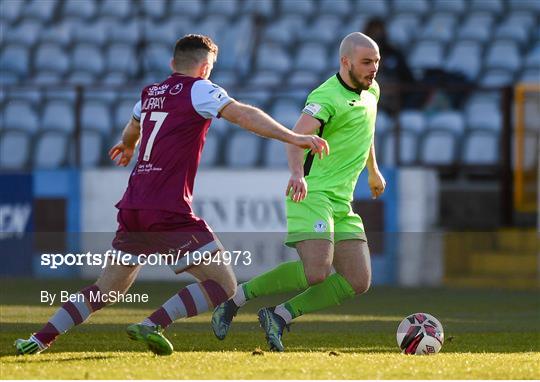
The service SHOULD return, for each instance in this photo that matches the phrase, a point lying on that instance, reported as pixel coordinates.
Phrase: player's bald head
(356, 40)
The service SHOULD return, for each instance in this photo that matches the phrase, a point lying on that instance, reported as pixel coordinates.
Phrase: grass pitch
(489, 335)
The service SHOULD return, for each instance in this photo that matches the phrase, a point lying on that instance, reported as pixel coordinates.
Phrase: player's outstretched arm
(126, 147)
(258, 122)
(297, 186)
(376, 180)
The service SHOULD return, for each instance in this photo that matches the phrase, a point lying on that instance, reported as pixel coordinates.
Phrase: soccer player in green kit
(320, 221)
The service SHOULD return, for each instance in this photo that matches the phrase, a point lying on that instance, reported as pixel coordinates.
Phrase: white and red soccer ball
(420, 333)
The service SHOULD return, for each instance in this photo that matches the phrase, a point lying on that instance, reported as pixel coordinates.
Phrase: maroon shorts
(144, 232)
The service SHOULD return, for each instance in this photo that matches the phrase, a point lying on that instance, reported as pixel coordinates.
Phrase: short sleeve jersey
(174, 116)
(347, 119)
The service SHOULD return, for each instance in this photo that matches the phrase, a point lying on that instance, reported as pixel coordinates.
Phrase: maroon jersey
(175, 116)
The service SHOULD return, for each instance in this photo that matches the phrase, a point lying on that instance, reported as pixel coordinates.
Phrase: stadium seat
(81, 9)
(356, 23)
(408, 147)
(51, 58)
(503, 54)
(438, 147)
(527, 19)
(274, 155)
(42, 10)
(532, 60)
(224, 78)
(524, 5)
(92, 148)
(451, 6)
(95, 116)
(11, 10)
(210, 154)
(418, 7)
(161, 32)
(50, 150)
(476, 27)
(32, 96)
(263, 8)
(58, 115)
(121, 58)
(480, 147)
(286, 111)
(93, 33)
(157, 58)
(237, 47)
(60, 34)
(372, 7)
(221, 125)
(265, 78)
(211, 25)
(15, 59)
(483, 113)
(259, 97)
(224, 8)
(383, 122)
(413, 120)
(312, 57)
(466, 58)
(335, 7)
(190, 8)
(128, 32)
(273, 57)
(493, 6)
(496, 78)
(123, 111)
(88, 58)
(324, 30)
(24, 33)
(20, 115)
(15, 148)
(512, 30)
(440, 27)
(303, 79)
(285, 30)
(530, 76)
(426, 55)
(242, 149)
(402, 28)
(120, 9)
(303, 8)
(47, 78)
(155, 9)
(447, 120)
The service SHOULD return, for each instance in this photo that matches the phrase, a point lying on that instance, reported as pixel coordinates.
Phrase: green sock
(331, 292)
(286, 277)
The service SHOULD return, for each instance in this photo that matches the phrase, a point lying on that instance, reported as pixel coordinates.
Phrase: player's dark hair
(191, 49)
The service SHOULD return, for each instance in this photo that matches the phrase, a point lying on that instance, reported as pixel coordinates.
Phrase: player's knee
(317, 276)
(361, 285)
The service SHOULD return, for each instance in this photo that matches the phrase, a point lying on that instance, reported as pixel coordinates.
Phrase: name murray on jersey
(152, 103)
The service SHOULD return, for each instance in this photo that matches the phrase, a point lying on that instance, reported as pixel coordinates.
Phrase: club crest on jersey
(312, 109)
(176, 89)
(354, 102)
(319, 226)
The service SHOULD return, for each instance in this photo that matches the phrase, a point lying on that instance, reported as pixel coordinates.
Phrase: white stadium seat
(242, 149)
(52, 58)
(447, 120)
(95, 116)
(273, 57)
(438, 148)
(466, 58)
(58, 115)
(480, 147)
(503, 54)
(311, 57)
(51, 150)
(426, 55)
(440, 27)
(413, 120)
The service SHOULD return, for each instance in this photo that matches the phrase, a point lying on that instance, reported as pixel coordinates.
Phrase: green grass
(490, 335)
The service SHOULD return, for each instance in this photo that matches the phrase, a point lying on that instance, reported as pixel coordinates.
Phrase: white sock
(147, 322)
(239, 298)
(281, 311)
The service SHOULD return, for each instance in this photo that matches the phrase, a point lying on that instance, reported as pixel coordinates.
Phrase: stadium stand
(271, 54)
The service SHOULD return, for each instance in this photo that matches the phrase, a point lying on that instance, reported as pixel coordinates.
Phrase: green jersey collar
(357, 91)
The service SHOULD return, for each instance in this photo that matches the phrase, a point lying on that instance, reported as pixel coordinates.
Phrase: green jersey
(347, 119)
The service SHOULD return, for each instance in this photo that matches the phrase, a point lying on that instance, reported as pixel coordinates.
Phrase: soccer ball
(420, 333)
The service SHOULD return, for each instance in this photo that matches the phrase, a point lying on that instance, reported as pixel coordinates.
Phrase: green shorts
(319, 217)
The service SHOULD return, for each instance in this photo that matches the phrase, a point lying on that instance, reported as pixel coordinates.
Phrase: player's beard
(357, 84)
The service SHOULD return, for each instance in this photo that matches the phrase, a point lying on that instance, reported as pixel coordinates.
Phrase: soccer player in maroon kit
(155, 214)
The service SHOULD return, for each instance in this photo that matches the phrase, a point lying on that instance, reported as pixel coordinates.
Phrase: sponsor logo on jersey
(176, 89)
(354, 102)
(312, 109)
(157, 90)
(319, 226)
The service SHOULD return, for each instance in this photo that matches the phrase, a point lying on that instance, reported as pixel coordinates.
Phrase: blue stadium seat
(418, 7)
(530, 76)
(24, 33)
(15, 59)
(466, 58)
(286, 111)
(532, 59)
(191, 8)
(372, 7)
(121, 58)
(413, 120)
(303, 79)
(477, 27)
(58, 115)
(527, 19)
(408, 147)
(402, 28)
(88, 58)
(304, 8)
(512, 30)
(426, 55)
(120, 9)
(80, 9)
(451, 6)
(503, 54)
(480, 147)
(274, 155)
(161, 32)
(447, 120)
(157, 58)
(224, 8)
(94, 33)
(211, 25)
(40, 9)
(383, 123)
(264, 8)
(440, 27)
(20, 115)
(497, 78)
(493, 6)
(92, 148)
(438, 147)
(273, 57)
(236, 45)
(128, 32)
(123, 111)
(224, 78)
(210, 154)
(324, 29)
(50, 151)
(11, 10)
(284, 31)
(32, 96)
(242, 149)
(156, 9)
(356, 23)
(312, 57)
(95, 116)
(265, 78)
(525, 5)
(51, 58)
(15, 148)
(47, 78)
(60, 33)
(336, 7)
(483, 112)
